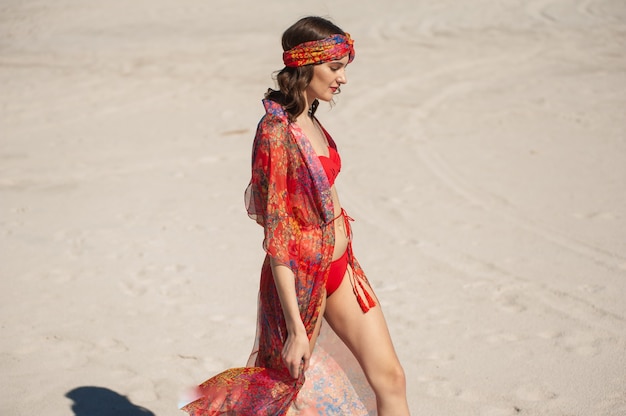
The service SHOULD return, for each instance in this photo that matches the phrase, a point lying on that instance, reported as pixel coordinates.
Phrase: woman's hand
(296, 352)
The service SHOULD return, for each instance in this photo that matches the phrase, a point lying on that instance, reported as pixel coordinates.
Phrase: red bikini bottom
(336, 273)
(338, 268)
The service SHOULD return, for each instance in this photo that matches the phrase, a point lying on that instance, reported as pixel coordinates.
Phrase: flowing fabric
(335, 384)
(290, 197)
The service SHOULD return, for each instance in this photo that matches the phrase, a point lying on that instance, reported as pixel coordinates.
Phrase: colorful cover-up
(290, 197)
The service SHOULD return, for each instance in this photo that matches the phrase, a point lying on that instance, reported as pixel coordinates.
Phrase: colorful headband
(319, 51)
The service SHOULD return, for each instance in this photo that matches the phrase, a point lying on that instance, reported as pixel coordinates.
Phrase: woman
(310, 270)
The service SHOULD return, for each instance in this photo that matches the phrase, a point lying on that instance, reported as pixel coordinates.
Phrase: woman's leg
(318, 325)
(367, 336)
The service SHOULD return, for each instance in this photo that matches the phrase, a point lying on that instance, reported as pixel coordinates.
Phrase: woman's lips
(334, 89)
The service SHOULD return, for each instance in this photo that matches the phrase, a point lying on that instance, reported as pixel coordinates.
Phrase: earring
(313, 107)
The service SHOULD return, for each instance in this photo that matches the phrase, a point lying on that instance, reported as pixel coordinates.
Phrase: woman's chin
(326, 98)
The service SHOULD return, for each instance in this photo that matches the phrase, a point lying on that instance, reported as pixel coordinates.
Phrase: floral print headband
(319, 51)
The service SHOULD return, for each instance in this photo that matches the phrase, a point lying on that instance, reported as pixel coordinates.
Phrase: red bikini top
(331, 164)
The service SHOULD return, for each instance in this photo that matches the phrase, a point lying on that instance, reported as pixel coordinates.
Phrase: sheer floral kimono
(289, 196)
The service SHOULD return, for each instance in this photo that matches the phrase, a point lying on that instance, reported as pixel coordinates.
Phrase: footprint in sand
(510, 302)
(133, 288)
(580, 343)
(139, 282)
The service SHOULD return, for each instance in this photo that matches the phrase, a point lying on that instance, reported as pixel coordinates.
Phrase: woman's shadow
(99, 401)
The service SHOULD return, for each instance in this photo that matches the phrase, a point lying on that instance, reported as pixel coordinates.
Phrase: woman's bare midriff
(341, 234)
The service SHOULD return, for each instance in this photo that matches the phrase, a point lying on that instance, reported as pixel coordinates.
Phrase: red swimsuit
(331, 164)
(338, 267)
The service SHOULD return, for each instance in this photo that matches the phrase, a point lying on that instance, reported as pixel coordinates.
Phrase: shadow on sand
(99, 401)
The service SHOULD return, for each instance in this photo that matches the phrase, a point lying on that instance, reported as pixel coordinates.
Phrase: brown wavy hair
(293, 81)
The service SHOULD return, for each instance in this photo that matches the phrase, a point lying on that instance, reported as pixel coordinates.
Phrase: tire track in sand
(500, 207)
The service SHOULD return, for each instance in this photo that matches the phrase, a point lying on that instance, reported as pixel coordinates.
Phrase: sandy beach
(484, 161)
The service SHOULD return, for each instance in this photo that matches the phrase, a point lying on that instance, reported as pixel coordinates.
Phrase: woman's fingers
(293, 369)
(296, 372)
(305, 361)
(293, 365)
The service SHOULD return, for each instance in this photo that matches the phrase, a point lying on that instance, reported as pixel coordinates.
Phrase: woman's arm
(267, 199)
(296, 351)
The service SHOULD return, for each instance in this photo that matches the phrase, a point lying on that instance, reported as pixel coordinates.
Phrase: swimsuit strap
(346, 221)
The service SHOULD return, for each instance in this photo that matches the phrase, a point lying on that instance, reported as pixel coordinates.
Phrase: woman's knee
(390, 380)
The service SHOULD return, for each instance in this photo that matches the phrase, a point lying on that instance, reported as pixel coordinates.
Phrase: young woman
(310, 271)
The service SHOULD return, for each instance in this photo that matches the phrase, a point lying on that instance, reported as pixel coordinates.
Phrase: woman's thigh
(318, 326)
(365, 334)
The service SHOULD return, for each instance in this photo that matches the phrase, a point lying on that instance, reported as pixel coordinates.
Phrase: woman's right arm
(266, 199)
(296, 351)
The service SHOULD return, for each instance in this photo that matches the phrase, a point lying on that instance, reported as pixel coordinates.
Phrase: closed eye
(336, 66)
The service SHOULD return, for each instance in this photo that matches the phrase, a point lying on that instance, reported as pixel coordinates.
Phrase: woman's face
(327, 78)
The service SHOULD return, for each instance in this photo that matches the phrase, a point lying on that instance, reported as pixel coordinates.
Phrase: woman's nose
(343, 79)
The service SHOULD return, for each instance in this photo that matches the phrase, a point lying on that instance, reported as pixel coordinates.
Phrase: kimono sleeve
(267, 195)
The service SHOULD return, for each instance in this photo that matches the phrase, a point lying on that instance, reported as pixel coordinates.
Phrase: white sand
(484, 149)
